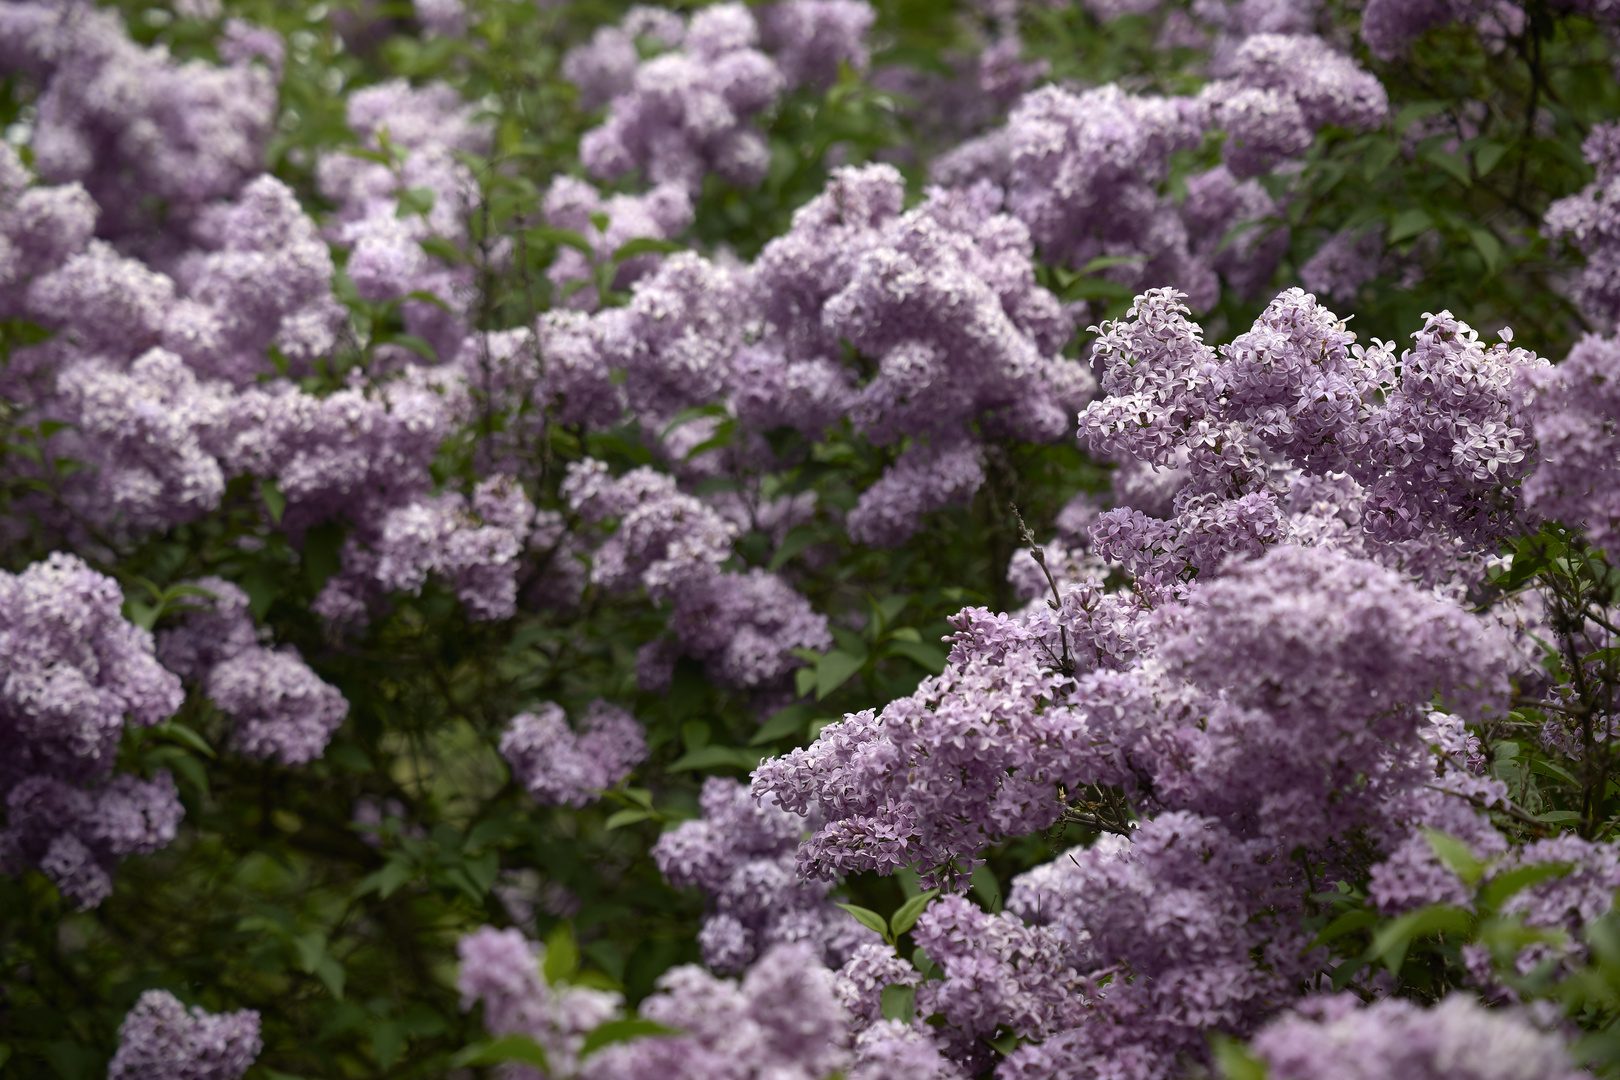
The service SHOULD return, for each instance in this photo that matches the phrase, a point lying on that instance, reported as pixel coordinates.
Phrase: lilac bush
(810, 539)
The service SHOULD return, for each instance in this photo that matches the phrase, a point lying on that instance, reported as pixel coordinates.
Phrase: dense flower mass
(75, 673)
(1294, 431)
(687, 112)
(161, 1040)
(972, 539)
(780, 1020)
(503, 970)
(740, 853)
(1455, 1040)
(561, 768)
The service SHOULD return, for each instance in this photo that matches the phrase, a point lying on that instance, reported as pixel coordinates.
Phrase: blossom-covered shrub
(806, 539)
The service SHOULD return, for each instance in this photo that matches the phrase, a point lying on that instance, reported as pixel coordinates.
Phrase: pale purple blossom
(741, 854)
(160, 1039)
(1458, 1039)
(560, 767)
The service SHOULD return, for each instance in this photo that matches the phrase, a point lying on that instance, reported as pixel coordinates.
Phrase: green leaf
(804, 681)
(1503, 887)
(617, 1031)
(1453, 164)
(74, 1062)
(483, 870)
(1407, 224)
(310, 949)
(442, 249)
(562, 954)
(1093, 288)
(274, 500)
(510, 1048)
(1488, 246)
(1559, 817)
(1553, 769)
(396, 872)
(906, 917)
(645, 245)
(834, 671)
(387, 1042)
(1005, 1043)
(416, 200)
(1346, 971)
(868, 918)
(928, 657)
(1348, 923)
(188, 767)
(1415, 112)
(924, 964)
(686, 416)
(716, 757)
(1233, 1059)
(178, 732)
(1486, 157)
(785, 722)
(620, 818)
(797, 539)
(142, 614)
(1457, 856)
(899, 1002)
(331, 974)
(986, 888)
(322, 555)
(1106, 262)
(559, 237)
(1389, 944)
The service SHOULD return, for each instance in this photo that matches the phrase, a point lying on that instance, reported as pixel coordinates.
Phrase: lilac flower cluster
(1389, 28)
(811, 39)
(996, 972)
(76, 673)
(161, 1040)
(354, 454)
(1084, 170)
(502, 969)
(1589, 221)
(476, 546)
(129, 122)
(943, 299)
(605, 67)
(741, 854)
(1345, 262)
(688, 112)
(1575, 406)
(261, 277)
(781, 1021)
(424, 128)
(1282, 708)
(1294, 432)
(560, 768)
(281, 708)
(743, 627)
(1455, 1040)
(1279, 90)
(570, 203)
(142, 367)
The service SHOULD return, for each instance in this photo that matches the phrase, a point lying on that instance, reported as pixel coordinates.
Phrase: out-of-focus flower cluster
(741, 854)
(75, 673)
